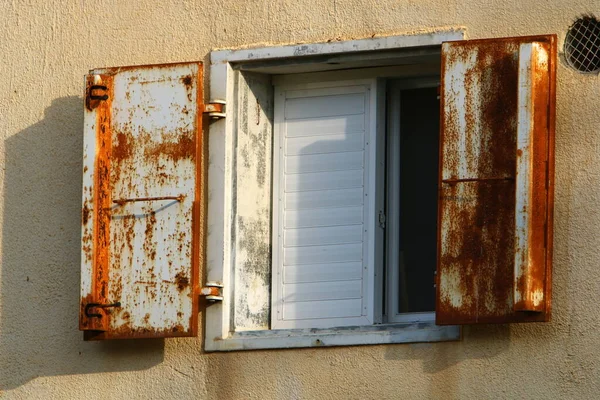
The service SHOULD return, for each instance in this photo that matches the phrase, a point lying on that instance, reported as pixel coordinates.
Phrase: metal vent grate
(582, 45)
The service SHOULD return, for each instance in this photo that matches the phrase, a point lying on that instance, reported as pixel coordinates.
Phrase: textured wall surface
(47, 46)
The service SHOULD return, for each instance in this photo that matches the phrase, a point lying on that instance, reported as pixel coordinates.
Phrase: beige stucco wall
(46, 46)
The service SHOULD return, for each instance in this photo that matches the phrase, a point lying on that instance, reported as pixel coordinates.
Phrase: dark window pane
(419, 142)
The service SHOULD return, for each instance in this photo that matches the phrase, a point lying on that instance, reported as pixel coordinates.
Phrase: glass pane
(419, 143)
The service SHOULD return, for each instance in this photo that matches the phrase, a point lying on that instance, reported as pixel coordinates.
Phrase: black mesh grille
(582, 45)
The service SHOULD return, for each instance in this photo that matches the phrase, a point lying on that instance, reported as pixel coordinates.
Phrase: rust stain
(490, 120)
(477, 222)
(549, 231)
(149, 246)
(123, 148)
(200, 202)
(101, 199)
(182, 147)
(210, 291)
(188, 82)
(85, 214)
(129, 233)
(182, 281)
(531, 286)
(127, 331)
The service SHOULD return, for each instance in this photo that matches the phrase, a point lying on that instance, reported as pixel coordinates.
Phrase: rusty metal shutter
(142, 201)
(496, 180)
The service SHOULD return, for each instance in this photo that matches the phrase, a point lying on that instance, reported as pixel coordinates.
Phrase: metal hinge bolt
(212, 292)
(215, 109)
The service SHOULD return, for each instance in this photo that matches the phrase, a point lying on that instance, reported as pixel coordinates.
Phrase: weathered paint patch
(253, 203)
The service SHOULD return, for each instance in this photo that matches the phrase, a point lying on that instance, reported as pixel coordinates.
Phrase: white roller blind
(323, 206)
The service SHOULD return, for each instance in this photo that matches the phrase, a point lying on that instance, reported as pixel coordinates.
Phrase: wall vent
(582, 45)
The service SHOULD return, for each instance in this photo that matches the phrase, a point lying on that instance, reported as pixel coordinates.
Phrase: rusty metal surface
(210, 291)
(142, 203)
(479, 242)
(531, 171)
(214, 108)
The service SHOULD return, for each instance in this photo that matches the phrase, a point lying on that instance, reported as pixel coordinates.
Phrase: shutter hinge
(382, 219)
(212, 292)
(96, 92)
(215, 109)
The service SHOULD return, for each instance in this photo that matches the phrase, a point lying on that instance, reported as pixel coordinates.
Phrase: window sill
(347, 336)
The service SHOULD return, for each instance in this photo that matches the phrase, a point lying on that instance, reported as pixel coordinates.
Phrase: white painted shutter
(142, 202)
(323, 206)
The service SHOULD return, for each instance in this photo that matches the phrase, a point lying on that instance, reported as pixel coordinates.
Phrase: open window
(355, 194)
(384, 190)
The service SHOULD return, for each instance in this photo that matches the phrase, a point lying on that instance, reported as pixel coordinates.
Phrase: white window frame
(393, 197)
(219, 334)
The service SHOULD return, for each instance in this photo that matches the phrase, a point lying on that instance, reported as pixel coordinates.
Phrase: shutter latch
(215, 109)
(381, 219)
(212, 292)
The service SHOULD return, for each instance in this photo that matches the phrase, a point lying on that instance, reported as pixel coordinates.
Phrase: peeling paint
(254, 277)
(253, 203)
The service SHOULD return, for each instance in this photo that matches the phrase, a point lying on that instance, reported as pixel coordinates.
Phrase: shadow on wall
(441, 361)
(484, 342)
(40, 270)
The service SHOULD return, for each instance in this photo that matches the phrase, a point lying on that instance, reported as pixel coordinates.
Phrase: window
(251, 74)
(310, 130)
(345, 253)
